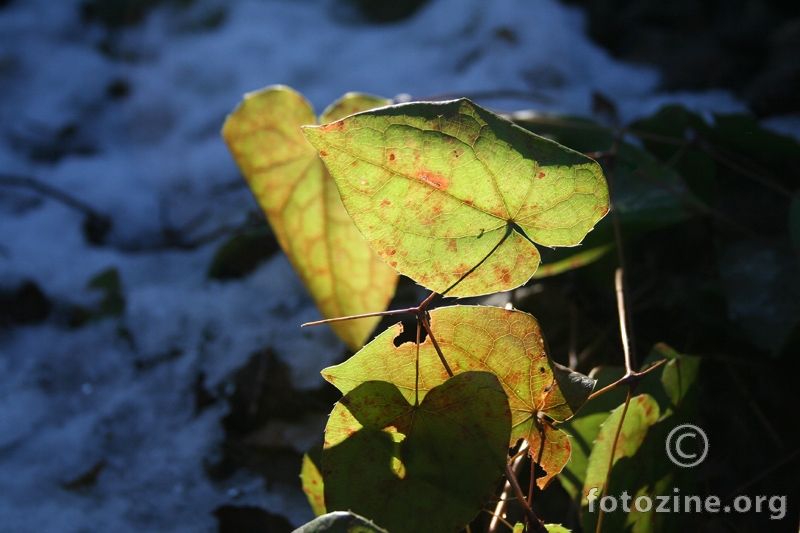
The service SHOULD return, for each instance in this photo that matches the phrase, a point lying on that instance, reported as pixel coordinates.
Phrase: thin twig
(620, 250)
(497, 519)
(411, 310)
(758, 178)
(629, 380)
(792, 456)
(698, 206)
(499, 509)
(623, 326)
(416, 382)
(427, 326)
(52, 192)
(533, 520)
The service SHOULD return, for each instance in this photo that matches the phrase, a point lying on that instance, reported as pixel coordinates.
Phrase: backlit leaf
(574, 261)
(642, 466)
(340, 522)
(404, 465)
(454, 196)
(507, 343)
(311, 478)
(642, 413)
(302, 204)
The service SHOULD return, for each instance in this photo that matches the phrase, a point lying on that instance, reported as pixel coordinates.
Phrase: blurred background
(153, 376)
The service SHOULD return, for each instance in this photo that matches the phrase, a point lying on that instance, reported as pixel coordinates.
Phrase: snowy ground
(140, 122)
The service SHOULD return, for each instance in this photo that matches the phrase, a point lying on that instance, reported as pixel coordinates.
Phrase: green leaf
(579, 133)
(340, 522)
(649, 471)
(454, 196)
(112, 303)
(574, 261)
(678, 375)
(662, 134)
(584, 427)
(642, 413)
(507, 343)
(300, 200)
(242, 253)
(430, 467)
(311, 478)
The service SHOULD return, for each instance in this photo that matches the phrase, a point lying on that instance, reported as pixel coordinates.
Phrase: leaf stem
(628, 379)
(416, 379)
(424, 319)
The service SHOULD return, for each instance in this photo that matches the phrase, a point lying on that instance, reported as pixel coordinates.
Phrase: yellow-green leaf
(311, 479)
(642, 413)
(454, 196)
(302, 204)
(507, 343)
(441, 459)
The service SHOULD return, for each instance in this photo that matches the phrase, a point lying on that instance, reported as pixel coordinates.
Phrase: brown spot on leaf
(391, 157)
(323, 153)
(393, 264)
(541, 175)
(390, 251)
(354, 163)
(435, 180)
(332, 126)
(452, 245)
(385, 202)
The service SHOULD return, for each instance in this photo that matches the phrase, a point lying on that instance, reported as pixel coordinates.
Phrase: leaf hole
(409, 333)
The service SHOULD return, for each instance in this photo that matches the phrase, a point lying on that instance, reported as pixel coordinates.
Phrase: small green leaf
(574, 261)
(679, 374)
(242, 253)
(454, 196)
(300, 200)
(340, 522)
(112, 303)
(507, 343)
(384, 457)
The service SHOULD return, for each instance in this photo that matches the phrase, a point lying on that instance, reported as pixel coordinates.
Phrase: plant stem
(534, 522)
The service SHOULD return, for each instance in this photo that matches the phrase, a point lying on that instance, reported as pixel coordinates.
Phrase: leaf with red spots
(507, 343)
(441, 459)
(300, 200)
(454, 196)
